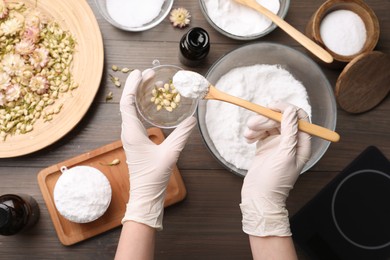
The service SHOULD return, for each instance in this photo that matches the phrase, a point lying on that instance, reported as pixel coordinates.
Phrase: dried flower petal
(2, 99)
(39, 84)
(180, 17)
(39, 57)
(4, 81)
(3, 9)
(11, 26)
(12, 93)
(13, 64)
(24, 47)
(31, 34)
(109, 96)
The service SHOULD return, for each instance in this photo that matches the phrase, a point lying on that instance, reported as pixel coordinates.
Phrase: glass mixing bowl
(165, 9)
(284, 6)
(320, 92)
(148, 109)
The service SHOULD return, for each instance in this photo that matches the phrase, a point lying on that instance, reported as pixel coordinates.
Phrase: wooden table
(207, 225)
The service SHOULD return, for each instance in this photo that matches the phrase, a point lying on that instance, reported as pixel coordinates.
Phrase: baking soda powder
(190, 84)
(238, 19)
(260, 84)
(134, 13)
(343, 32)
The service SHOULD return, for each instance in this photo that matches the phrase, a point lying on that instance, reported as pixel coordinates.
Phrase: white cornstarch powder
(190, 84)
(343, 32)
(238, 19)
(134, 13)
(260, 84)
(82, 194)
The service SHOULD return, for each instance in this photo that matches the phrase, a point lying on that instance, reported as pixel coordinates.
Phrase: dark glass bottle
(17, 213)
(194, 47)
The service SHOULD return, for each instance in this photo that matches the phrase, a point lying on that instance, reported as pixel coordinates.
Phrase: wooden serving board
(70, 233)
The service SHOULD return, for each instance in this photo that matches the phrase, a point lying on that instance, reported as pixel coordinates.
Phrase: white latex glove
(281, 153)
(150, 165)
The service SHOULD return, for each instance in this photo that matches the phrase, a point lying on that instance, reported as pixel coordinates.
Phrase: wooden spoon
(294, 33)
(312, 129)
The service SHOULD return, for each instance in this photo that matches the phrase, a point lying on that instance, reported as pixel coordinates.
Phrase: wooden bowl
(357, 6)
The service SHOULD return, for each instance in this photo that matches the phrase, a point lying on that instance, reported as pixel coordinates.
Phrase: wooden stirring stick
(294, 33)
(312, 129)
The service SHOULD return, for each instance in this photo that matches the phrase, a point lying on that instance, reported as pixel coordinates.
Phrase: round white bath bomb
(82, 194)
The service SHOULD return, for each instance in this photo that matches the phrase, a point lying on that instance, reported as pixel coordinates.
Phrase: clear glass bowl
(320, 92)
(165, 9)
(284, 6)
(163, 118)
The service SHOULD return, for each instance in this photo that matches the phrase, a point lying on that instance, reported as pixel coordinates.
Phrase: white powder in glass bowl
(238, 19)
(82, 194)
(260, 84)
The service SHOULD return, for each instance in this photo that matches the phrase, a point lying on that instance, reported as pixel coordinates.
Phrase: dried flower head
(39, 84)
(24, 47)
(3, 9)
(2, 99)
(12, 93)
(13, 64)
(180, 17)
(11, 26)
(32, 20)
(31, 34)
(4, 80)
(39, 57)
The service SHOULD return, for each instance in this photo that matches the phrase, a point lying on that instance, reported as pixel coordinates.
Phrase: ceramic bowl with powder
(262, 73)
(240, 22)
(134, 16)
(346, 29)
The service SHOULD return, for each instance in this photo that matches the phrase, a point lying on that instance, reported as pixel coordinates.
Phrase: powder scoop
(193, 85)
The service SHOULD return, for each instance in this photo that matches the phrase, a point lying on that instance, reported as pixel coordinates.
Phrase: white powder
(134, 13)
(238, 19)
(82, 194)
(260, 84)
(190, 84)
(343, 32)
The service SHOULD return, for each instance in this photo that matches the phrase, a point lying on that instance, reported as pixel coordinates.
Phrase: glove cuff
(264, 218)
(149, 215)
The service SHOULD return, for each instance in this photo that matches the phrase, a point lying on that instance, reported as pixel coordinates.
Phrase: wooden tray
(70, 233)
(87, 69)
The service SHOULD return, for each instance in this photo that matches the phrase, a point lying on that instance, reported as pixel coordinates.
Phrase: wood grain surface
(207, 224)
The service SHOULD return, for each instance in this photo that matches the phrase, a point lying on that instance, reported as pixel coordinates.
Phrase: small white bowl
(165, 9)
